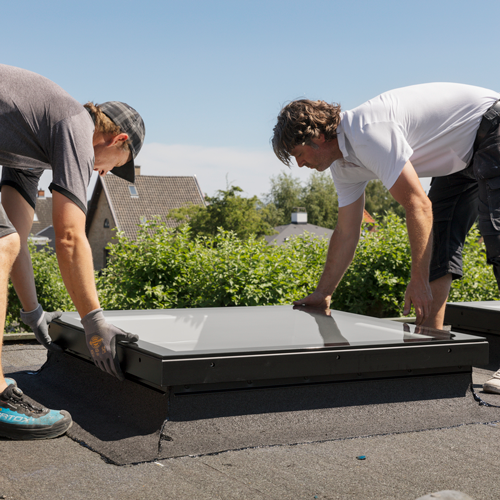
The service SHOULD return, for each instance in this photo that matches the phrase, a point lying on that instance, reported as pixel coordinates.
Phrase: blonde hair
(301, 121)
(106, 125)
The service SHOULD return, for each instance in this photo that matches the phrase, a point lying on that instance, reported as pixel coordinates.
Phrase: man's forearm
(340, 254)
(419, 224)
(74, 254)
(75, 262)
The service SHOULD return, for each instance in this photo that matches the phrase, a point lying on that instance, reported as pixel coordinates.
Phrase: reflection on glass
(327, 326)
(260, 329)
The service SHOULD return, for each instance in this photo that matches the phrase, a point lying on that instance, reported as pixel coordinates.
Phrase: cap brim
(126, 171)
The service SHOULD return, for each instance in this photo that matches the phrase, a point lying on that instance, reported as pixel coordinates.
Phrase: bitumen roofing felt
(398, 465)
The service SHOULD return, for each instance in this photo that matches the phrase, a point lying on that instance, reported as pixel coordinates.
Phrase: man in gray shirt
(43, 127)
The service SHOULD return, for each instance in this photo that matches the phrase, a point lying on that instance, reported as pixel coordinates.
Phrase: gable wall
(98, 235)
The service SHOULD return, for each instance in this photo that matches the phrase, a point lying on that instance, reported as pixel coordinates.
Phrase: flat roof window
(133, 192)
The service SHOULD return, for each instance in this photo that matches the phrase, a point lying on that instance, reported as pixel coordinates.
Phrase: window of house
(133, 192)
(106, 257)
(35, 218)
(106, 223)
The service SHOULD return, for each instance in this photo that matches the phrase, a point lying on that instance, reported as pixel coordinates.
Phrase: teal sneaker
(10, 381)
(20, 419)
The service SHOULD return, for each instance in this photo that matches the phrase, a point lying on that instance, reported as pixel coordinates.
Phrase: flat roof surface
(398, 466)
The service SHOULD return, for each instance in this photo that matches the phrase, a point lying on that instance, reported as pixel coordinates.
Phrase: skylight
(133, 192)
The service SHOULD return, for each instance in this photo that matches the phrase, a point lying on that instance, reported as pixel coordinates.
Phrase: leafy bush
(375, 283)
(478, 282)
(52, 294)
(167, 269)
(164, 269)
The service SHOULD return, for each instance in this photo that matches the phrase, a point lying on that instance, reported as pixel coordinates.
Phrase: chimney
(137, 170)
(299, 215)
(41, 193)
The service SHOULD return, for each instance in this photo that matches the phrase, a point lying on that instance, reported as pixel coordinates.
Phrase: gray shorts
(458, 200)
(26, 183)
(6, 226)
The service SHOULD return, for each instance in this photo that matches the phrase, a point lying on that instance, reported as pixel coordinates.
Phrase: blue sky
(209, 77)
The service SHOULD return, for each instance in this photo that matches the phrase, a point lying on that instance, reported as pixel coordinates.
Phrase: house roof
(288, 230)
(296, 229)
(43, 215)
(156, 196)
(367, 218)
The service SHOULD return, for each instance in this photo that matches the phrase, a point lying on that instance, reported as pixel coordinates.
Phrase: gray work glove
(39, 321)
(101, 338)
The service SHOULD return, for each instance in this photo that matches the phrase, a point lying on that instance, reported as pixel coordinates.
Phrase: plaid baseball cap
(130, 122)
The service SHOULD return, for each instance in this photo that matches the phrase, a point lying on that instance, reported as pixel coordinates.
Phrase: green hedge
(376, 281)
(168, 269)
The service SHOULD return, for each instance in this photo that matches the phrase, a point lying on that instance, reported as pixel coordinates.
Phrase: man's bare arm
(74, 254)
(340, 254)
(408, 191)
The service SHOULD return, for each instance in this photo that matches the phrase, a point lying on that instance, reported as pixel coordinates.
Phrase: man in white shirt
(444, 130)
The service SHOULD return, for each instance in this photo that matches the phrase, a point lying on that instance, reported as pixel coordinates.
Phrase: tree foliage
(318, 196)
(228, 210)
(378, 200)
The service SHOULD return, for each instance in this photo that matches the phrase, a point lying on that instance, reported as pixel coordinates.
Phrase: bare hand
(419, 294)
(320, 311)
(316, 299)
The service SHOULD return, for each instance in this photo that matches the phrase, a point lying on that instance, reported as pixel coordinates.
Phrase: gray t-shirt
(42, 126)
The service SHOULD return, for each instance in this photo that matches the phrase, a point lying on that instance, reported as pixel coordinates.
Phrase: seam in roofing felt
(162, 437)
(103, 457)
(280, 445)
(329, 440)
(480, 401)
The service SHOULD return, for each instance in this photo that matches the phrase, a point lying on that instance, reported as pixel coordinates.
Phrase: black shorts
(458, 200)
(26, 183)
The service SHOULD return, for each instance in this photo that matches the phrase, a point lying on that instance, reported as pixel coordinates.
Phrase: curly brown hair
(104, 124)
(301, 121)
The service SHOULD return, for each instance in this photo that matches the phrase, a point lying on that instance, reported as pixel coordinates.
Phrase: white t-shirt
(433, 125)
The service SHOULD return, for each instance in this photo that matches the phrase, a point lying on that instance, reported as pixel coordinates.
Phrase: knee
(9, 248)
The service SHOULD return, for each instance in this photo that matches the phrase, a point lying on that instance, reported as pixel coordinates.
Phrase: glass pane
(258, 329)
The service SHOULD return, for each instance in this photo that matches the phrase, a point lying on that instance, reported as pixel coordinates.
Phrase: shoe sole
(492, 389)
(28, 432)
